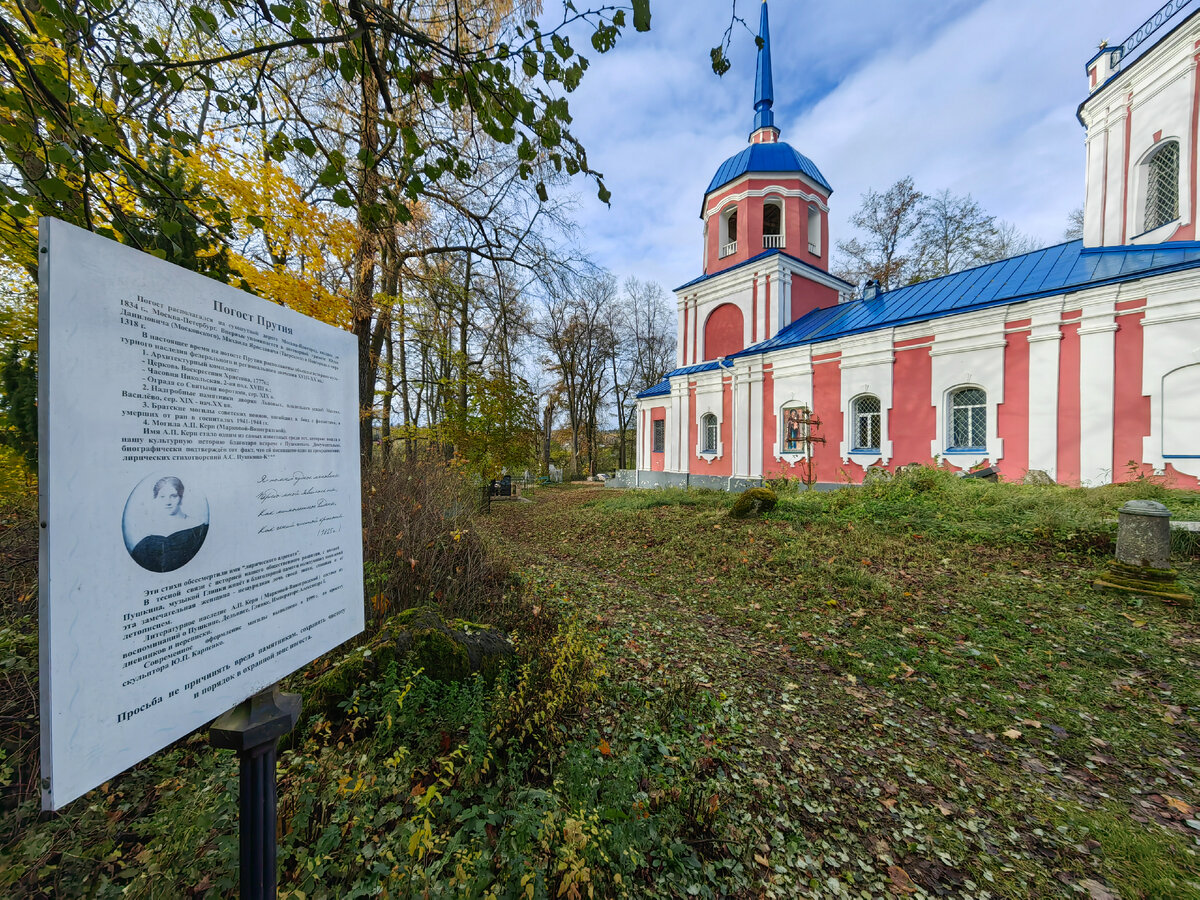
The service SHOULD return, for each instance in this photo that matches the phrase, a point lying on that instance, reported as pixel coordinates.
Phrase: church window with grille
(660, 436)
(1162, 186)
(968, 419)
(708, 431)
(865, 419)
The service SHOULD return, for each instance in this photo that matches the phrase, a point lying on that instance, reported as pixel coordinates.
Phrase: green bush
(422, 543)
(752, 502)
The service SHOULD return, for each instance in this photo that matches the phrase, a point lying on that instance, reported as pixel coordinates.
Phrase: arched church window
(968, 419)
(772, 225)
(708, 430)
(1162, 186)
(814, 231)
(865, 420)
(729, 235)
(794, 428)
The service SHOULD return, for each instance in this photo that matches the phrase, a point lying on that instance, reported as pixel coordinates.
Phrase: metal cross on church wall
(809, 423)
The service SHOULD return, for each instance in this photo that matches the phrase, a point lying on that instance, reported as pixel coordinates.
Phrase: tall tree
(906, 236)
(1074, 229)
(1010, 241)
(955, 234)
(80, 145)
(18, 366)
(883, 250)
(643, 350)
(91, 90)
(579, 344)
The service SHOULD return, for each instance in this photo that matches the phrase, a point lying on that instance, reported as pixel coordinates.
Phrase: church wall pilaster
(1044, 339)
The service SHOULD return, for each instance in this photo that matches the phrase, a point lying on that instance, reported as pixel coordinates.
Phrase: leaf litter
(863, 737)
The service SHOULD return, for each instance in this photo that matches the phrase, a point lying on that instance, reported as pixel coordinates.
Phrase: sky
(974, 96)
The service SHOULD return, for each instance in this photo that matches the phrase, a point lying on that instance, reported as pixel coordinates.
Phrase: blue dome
(776, 157)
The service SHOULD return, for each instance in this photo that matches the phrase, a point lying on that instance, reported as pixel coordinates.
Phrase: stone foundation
(643, 478)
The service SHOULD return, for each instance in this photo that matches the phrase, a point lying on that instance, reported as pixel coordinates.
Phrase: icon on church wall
(793, 429)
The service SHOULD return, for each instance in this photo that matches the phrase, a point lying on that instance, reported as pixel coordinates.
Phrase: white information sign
(200, 501)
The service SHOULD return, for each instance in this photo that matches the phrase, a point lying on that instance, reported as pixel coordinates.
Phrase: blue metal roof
(664, 387)
(1053, 270)
(696, 369)
(756, 258)
(776, 157)
(659, 390)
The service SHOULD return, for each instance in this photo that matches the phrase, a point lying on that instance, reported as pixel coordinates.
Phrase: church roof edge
(759, 258)
(1130, 60)
(1062, 268)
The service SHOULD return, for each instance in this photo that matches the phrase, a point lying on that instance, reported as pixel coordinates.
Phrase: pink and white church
(1081, 360)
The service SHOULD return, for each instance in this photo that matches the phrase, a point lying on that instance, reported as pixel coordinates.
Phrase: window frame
(709, 428)
(1177, 435)
(1152, 185)
(856, 415)
(776, 239)
(728, 243)
(952, 397)
(658, 436)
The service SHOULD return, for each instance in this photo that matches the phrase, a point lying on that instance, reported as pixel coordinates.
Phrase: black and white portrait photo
(165, 523)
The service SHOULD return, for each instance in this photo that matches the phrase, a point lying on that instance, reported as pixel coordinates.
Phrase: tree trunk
(365, 259)
(391, 267)
(464, 316)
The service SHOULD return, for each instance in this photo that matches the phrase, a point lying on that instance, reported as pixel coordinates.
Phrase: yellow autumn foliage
(303, 252)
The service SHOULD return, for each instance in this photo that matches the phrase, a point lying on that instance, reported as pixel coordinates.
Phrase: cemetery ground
(911, 689)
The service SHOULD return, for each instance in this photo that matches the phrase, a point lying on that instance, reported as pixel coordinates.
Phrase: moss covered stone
(446, 652)
(1145, 580)
(441, 656)
(338, 682)
(752, 502)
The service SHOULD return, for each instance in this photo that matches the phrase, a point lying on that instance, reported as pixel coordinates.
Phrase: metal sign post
(253, 728)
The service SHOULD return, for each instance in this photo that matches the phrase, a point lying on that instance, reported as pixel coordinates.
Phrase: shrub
(422, 545)
(19, 764)
(754, 501)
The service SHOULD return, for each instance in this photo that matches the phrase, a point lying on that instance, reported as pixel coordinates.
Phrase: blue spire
(764, 92)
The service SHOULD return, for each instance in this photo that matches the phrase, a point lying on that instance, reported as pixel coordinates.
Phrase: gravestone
(987, 473)
(1143, 563)
(1037, 476)
(876, 474)
(1144, 535)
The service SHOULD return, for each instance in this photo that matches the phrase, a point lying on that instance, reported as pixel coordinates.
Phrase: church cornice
(768, 262)
(1163, 55)
(772, 190)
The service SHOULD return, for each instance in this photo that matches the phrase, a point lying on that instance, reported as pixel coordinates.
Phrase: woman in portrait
(175, 538)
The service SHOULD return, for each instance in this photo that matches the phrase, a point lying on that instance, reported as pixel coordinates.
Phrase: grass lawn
(910, 688)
